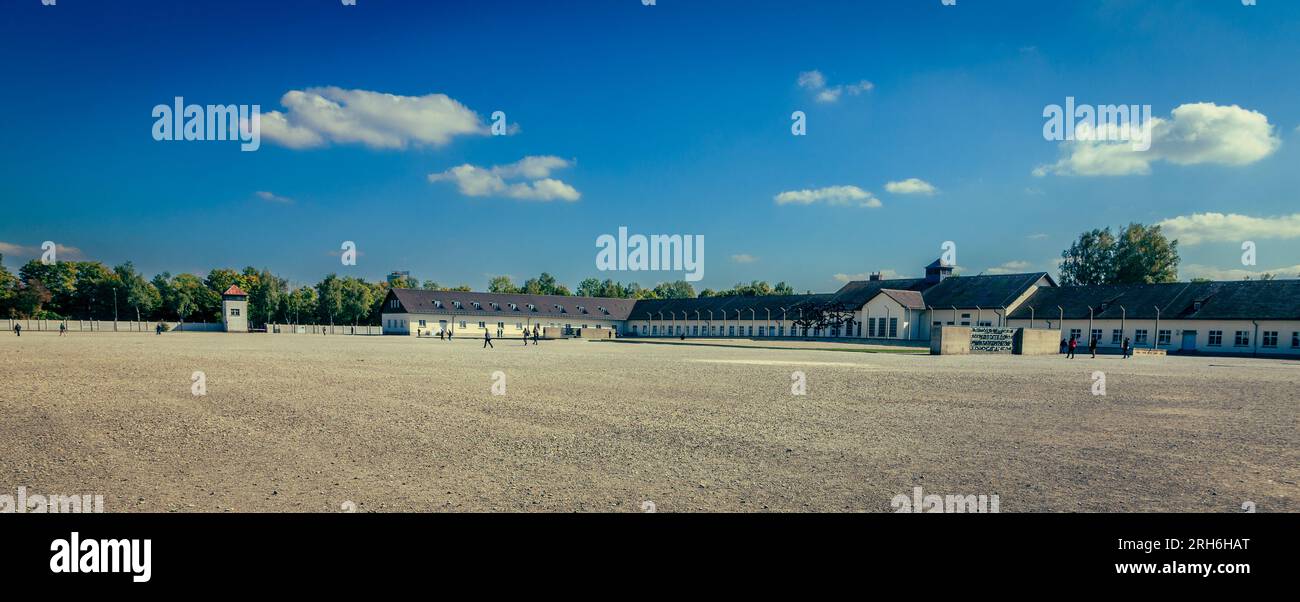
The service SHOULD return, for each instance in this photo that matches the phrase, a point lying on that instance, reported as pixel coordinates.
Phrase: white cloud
(1204, 271)
(1196, 133)
(831, 195)
(884, 275)
(815, 82)
(318, 117)
(61, 252)
(1211, 227)
(911, 186)
(271, 197)
(1010, 267)
(743, 258)
(476, 181)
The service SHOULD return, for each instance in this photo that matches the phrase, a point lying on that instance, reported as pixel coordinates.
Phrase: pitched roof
(1238, 300)
(908, 299)
(420, 301)
(749, 307)
(988, 292)
(858, 292)
(235, 290)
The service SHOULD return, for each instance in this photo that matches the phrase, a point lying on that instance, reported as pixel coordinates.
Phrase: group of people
(18, 328)
(1068, 347)
(535, 332)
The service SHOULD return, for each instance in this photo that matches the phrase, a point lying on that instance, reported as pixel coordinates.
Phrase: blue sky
(673, 118)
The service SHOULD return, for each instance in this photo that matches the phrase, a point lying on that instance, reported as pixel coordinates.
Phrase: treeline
(594, 287)
(90, 290)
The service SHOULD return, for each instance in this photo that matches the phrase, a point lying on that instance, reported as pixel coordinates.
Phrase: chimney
(874, 276)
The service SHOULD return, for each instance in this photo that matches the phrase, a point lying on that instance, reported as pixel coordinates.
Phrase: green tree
(1139, 255)
(329, 299)
(358, 300)
(678, 289)
(302, 303)
(8, 289)
(502, 284)
(1144, 256)
(188, 297)
(138, 293)
(1089, 260)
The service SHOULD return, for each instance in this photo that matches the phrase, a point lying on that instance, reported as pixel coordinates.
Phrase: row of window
(1240, 338)
(875, 328)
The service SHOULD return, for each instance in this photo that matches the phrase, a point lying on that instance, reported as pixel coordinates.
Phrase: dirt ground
(295, 423)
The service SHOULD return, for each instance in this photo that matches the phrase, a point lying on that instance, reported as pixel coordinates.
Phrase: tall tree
(1089, 260)
(329, 299)
(1139, 255)
(137, 291)
(1144, 256)
(678, 289)
(502, 284)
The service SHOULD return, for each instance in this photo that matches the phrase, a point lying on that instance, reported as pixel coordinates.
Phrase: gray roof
(988, 292)
(650, 308)
(1237, 300)
(858, 292)
(908, 299)
(419, 301)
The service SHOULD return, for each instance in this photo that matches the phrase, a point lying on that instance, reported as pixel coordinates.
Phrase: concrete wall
(1036, 341)
(596, 333)
(108, 326)
(950, 340)
(323, 329)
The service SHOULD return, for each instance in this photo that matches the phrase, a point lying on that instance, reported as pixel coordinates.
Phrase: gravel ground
(308, 423)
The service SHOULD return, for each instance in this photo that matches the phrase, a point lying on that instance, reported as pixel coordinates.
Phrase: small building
(234, 309)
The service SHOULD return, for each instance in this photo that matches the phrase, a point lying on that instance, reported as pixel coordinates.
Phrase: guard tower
(234, 309)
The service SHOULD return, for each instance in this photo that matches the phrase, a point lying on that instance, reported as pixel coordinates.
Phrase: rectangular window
(1140, 336)
(1163, 337)
(1242, 339)
(871, 327)
(731, 331)
(893, 328)
(234, 311)
(462, 323)
(1096, 334)
(1076, 333)
(421, 323)
(1116, 336)
(1295, 340)
(1216, 338)
(1270, 338)
(761, 331)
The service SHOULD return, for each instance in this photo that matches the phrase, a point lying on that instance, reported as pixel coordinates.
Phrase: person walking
(1126, 347)
(535, 329)
(487, 339)
(1092, 346)
(63, 328)
(1064, 346)
(18, 329)
(1073, 344)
